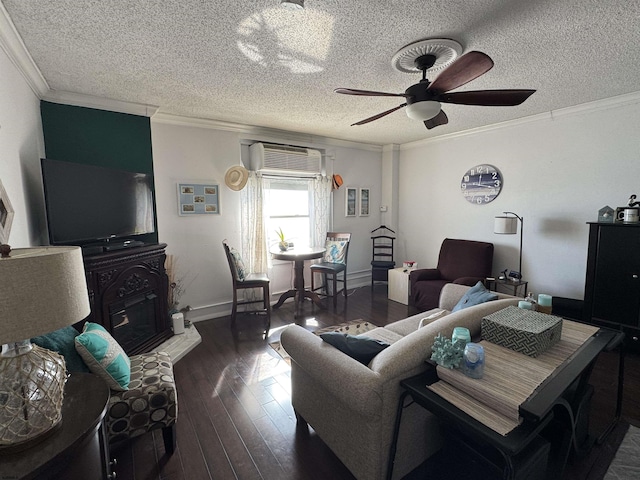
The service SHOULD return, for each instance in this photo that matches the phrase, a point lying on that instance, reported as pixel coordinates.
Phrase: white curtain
(321, 211)
(252, 212)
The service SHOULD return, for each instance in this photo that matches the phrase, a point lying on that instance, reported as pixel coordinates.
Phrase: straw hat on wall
(236, 177)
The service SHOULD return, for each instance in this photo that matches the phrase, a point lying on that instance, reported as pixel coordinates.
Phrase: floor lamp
(42, 289)
(507, 225)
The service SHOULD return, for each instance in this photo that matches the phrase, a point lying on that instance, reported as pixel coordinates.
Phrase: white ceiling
(252, 62)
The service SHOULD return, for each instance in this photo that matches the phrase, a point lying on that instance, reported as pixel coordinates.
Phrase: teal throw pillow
(104, 356)
(358, 347)
(335, 251)
(62, 341)
(241, 270)
(475, 296)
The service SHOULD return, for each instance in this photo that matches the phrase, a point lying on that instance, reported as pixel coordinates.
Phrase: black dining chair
(243, 280)
(333, 263)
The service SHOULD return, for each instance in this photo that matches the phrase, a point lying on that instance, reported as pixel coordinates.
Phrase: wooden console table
(77, 447)
(561, 402)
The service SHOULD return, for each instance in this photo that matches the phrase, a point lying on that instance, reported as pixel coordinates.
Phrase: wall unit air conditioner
(285, 160)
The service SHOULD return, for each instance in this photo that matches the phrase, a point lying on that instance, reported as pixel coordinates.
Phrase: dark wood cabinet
(128, 295)
(612, 286)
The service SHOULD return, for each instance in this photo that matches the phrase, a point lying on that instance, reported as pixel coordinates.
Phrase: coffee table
(560, 404)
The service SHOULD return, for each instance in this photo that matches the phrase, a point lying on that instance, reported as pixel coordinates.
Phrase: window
(300, 206)
(288, 205)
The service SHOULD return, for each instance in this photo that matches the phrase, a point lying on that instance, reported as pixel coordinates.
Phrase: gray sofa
(352, 406)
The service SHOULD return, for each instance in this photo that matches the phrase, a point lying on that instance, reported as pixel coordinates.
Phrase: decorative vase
(284, 246)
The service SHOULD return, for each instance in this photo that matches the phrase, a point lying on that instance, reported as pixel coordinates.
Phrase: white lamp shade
(423, 110)
(42, 289)
(505, 225)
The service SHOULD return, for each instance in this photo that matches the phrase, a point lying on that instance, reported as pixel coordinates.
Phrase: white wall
(559, 170)
(21, 146)
(198, 153)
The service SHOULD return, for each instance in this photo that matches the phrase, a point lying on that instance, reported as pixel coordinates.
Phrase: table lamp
(509, 226)
(42, 289)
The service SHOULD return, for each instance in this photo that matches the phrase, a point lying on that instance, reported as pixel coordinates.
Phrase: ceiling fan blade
(380, 115)
(440, 119)
(491, 98)
(466, 68)
(369, 93)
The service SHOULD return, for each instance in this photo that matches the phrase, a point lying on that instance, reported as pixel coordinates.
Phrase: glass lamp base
(31, 392)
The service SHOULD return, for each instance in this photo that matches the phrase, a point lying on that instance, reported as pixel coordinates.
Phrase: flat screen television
(88, 204)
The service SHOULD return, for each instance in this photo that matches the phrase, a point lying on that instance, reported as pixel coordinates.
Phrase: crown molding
(99, 103)
(251, 132)
(598, 105)
(14, 47)
(582, 109)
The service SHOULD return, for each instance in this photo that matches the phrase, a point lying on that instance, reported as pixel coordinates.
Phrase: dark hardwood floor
(235, 417)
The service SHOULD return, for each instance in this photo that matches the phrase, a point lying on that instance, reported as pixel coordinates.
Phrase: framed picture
(364, 202)
(350, 202)
(6, 215)
(194, 199)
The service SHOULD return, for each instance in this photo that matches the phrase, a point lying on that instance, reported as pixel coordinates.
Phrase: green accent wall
(98, 137)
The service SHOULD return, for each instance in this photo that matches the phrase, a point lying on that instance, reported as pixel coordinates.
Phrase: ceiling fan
(424, 98)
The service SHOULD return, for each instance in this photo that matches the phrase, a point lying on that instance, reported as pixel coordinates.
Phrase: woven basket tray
(524, 331)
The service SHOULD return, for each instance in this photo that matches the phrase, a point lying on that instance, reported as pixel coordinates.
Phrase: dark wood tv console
(128, 295)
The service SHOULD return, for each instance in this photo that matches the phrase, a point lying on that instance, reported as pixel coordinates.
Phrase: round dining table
(298, 256)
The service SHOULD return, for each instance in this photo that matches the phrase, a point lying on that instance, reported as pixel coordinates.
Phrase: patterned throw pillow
(241, 270)
(335, 251)
(104, 356)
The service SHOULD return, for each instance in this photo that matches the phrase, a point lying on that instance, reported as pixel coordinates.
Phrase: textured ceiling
(255, 63)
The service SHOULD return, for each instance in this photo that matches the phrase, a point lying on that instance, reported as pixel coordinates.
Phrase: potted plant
(283, 244)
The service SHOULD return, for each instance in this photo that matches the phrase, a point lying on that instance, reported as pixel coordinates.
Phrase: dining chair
(333, 263)
(243, 280)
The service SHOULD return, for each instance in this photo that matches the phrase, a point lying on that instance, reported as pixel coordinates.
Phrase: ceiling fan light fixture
(422, 111)
(292, 4)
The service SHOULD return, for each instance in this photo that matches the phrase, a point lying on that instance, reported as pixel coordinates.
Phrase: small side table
(399, 285)
(508, 286)
(77, 447)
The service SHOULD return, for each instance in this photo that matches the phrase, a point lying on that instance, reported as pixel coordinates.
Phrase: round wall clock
(481, 184)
